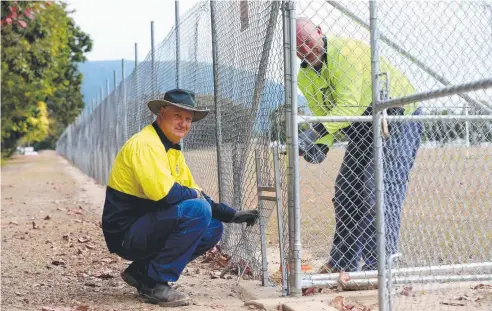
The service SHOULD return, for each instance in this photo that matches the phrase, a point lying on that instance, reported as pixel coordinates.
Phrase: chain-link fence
(230, 54)
(425, 170)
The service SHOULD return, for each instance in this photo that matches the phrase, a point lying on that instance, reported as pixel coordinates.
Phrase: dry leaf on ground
(84, 239)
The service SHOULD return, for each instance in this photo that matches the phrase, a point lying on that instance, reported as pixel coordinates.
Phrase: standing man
(155, 214)
(335, 77)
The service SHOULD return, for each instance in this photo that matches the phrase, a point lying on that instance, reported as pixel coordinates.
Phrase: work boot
(134, 274)
(164, 295)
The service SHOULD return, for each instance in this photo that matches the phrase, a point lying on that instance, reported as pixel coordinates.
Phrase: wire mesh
(446, 214)
(249, 88)
(324, 185)
(249, 62)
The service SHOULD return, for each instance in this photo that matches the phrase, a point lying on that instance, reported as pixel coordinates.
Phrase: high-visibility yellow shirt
(149, 168)
(342, 87)
(149, 172)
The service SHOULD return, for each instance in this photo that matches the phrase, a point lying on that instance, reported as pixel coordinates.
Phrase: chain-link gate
(396, 99)
(426, 172)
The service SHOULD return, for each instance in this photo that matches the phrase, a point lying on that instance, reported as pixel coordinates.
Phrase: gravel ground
(53, 251)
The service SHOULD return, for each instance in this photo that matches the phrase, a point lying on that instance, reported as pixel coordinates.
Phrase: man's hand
(249, 217)
(199, 194)
(316, 154)
(306, 141)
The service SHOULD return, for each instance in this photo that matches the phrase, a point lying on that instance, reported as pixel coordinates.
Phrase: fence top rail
(442, 92)
(445, 118)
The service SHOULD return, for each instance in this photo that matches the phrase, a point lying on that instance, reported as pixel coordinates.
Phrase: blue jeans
(167, 239)
(354, 200)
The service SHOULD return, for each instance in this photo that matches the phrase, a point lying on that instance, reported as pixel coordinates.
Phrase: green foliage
(38, 125)
(40, 82)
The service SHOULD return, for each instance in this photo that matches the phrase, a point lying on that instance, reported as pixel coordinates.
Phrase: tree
(38, 124)
(40, 83)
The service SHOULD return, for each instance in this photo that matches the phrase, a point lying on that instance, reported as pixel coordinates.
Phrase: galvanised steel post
(378, 159)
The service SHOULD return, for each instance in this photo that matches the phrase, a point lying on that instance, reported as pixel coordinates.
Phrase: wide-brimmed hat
(180, 98)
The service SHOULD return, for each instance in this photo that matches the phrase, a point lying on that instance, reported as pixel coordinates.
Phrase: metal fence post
(114, 128)
(123, 90)
(137, 99)
(105, 155)
(292, 144)
(467, 132)
(218, 128)
(287, 73)
(98, 140)
(152, 54)
(218, 124)
(378, 159)
(178, 52)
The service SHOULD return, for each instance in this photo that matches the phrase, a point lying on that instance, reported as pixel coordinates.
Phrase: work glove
(312, 153)
(249, 217)
(316, 154)
(306, 141)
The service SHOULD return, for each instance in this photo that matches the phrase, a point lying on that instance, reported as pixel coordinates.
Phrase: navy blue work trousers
(167, 239)
(354, 200)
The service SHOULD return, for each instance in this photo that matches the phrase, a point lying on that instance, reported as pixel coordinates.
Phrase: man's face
(309, 42)
(175, 122)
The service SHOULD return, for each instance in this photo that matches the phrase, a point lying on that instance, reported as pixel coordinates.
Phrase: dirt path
(53, 251)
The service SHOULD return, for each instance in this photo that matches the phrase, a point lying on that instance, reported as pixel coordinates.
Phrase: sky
(115, 25)
(452, 38)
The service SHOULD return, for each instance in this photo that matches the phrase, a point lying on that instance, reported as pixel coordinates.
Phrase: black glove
(306, 141)
(316, 154)
(313, 153)
(249, 217)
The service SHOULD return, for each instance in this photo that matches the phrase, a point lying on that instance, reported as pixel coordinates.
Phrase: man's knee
(196, 208)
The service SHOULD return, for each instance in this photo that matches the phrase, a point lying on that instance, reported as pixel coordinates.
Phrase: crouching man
(155, 215)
